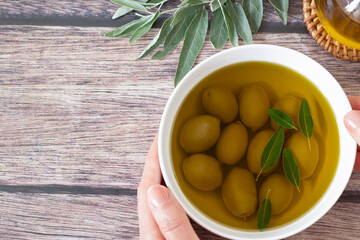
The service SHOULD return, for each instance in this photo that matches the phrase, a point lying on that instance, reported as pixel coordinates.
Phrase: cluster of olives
(221, 138)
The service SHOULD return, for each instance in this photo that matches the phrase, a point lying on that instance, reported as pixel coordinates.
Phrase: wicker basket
(322, 38)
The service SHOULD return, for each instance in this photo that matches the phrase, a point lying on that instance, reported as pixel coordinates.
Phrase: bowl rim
(298, 62)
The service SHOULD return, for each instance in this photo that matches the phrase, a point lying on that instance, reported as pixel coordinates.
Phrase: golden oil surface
(342, 26)
(278, 81)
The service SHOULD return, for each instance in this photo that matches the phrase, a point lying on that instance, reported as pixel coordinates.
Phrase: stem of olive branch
(160, 3)
(170, 10)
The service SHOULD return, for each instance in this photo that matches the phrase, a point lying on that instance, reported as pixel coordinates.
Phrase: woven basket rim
(323, 38)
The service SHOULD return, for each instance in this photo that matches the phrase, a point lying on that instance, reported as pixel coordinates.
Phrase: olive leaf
(282, 15)
(240, 21)
(159, 38)
(281, 8)
(291, 168)
(306, 122)
(237, 18)
(184, 12)
(254, 13)
(230, 26)
(272, 151)
(154, 2)
(218, 31)
(144, 28)
(215, 4)
(110, 34)
(278, 4)
(121, 11)
(194, 39)
(129, 28)
(264, 213)
(130, 4)
(174, 38)
(282, 118)
(194, 2)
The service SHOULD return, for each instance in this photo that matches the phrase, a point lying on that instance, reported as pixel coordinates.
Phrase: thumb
(169, 215)
(352, 123)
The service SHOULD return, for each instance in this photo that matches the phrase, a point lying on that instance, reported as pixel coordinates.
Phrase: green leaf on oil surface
(254, 13)
(264, 213)
(130, 4)
(159, 38)
(144, 28)
(281, 118)
(174, 38)
(272, 151)
(306, 122)
(184, 12)
(291, 168)
(194, 39)
(230, 26)
(218, 31)
(240, 21)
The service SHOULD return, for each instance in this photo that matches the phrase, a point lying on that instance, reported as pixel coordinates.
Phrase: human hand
(352, 123)
(160, 214)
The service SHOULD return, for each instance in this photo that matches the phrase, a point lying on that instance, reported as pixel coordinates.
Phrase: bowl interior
(290, 59)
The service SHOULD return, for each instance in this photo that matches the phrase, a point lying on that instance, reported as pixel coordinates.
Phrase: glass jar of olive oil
(341, 19)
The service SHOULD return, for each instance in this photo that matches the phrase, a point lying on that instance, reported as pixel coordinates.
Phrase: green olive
(280, 192)
(306, 157)
(220, 102)
(255, 150)
(199, 133)
(203, 172)
(239, 192)
(232, 143)
(253, 107)
(290, 105)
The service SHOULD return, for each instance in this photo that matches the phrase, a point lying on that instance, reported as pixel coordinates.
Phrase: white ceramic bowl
(302, 64)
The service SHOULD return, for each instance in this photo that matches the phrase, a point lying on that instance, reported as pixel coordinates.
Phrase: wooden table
(78, 114)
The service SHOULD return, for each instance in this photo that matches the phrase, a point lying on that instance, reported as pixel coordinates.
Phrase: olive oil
(278, 82)
(341, 19)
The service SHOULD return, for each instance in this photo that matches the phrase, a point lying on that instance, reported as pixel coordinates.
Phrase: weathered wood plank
(338, 223)
(98, 13)
(354, 182)
(61, 216)
(54, 216)
(95, 140)
(62, 55)
(78, 109)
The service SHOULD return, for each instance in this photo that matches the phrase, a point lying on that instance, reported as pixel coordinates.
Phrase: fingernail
(352, 120)
(158, 195)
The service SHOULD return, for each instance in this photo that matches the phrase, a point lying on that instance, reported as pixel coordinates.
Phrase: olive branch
(188, 21)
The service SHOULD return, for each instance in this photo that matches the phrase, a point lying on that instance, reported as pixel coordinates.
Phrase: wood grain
(98, 13)
(62, 216)
(78, 114)
(78, 109)
(54, 216)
